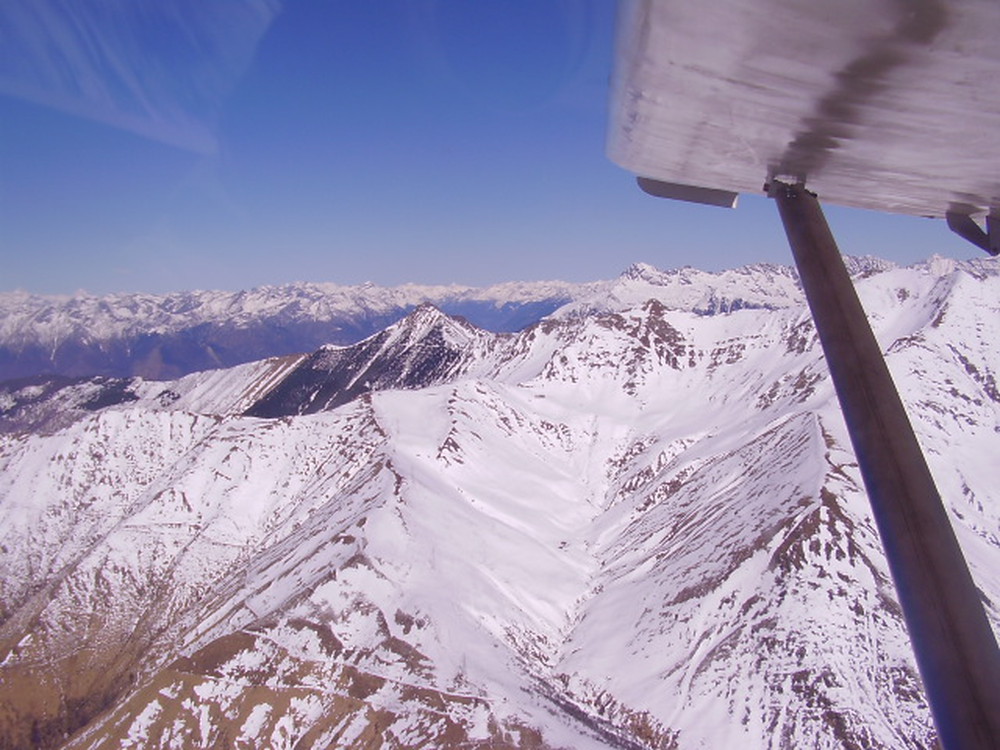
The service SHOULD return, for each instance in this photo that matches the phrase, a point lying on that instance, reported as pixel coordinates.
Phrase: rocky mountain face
(635, 524)
(426, 348)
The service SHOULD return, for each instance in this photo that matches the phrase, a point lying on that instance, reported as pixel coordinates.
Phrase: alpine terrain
(636, 523)
(167, 336)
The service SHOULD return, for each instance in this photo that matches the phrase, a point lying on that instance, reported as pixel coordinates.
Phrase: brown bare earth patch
(55, 688)
(209, 660)
(181, 709)
(245, 690)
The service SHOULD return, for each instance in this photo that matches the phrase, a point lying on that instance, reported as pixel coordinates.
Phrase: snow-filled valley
(635, 524)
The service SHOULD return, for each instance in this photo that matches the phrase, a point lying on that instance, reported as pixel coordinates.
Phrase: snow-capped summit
(867, 265)
(643, 272)
(427, 320)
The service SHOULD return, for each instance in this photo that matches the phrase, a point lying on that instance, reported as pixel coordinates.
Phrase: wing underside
(892, 105)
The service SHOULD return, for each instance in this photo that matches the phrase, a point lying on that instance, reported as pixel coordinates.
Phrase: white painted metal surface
(891, 105)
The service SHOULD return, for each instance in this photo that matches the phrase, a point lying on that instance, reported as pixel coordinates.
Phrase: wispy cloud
(159, 69)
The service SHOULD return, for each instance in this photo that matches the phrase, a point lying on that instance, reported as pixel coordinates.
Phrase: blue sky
(432, 141)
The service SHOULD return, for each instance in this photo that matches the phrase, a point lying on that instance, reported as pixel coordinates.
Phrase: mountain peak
(643, 272)
(866, 265)
(427, 319)
(425, 347)
(426, 312)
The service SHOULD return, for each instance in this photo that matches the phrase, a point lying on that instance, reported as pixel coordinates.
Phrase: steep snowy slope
(44, 404)
(638, 528)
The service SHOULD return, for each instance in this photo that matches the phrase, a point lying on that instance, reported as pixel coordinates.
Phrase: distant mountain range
(634, 523)
(166, 336)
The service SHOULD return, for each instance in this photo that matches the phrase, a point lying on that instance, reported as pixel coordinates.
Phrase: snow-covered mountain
(634, 524)
(167, 336)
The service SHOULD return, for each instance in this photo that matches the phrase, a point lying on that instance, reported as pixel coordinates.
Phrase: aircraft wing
(892, 105)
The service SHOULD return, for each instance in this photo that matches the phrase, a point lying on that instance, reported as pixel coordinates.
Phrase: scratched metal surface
(892, 105)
